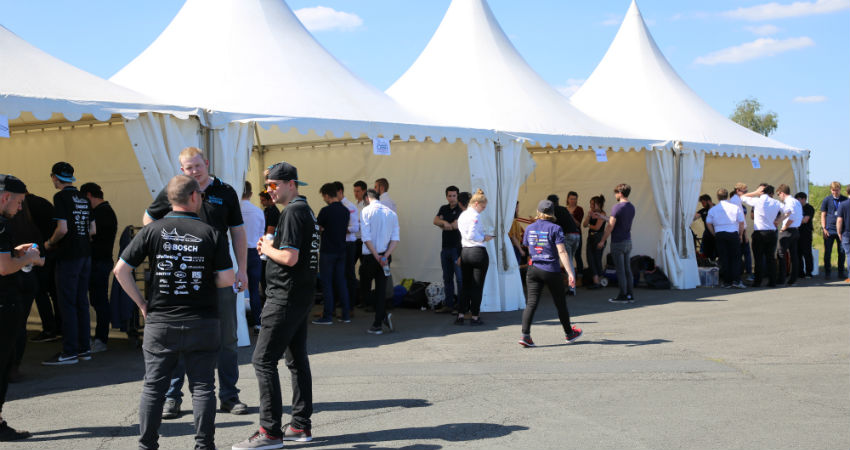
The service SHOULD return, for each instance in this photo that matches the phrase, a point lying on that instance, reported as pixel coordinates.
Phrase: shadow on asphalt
(455, 432)
(167, 429)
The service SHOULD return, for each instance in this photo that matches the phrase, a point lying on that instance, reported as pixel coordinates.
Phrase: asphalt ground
(704, 369)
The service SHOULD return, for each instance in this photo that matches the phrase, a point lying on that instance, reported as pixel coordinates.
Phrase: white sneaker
(98, 346)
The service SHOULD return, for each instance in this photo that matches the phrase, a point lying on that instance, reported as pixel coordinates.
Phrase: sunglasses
(272, 185)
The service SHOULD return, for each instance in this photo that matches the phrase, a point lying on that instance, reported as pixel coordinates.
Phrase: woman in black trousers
(595, 224)
(473, 258)
(545, 242)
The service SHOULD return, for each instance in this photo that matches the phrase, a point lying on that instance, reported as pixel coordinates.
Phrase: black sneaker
(526, 342)
(575, 333)
(477, 321)
(291, 433)
(234, 407)
(171, 408)
(84, 356)
(619, 299)
(8, 433)
(44, 336)
(375, 330)
(630, 298)
(259, 441)
(459, 321)
(61, 359)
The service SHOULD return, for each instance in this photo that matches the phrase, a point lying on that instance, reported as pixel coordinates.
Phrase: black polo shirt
(74, 208)
(272, 215)
(451, 239)
(807, 228)
(41, 211)
(184, 255)
(829, 205)
(8, 283)
(334, 221)
(220, 208)
(297, 229)
(565, 220)
(107, 227)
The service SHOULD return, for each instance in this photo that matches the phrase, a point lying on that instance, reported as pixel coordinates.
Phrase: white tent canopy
(636, 88)
(471, 75)
(255, 57)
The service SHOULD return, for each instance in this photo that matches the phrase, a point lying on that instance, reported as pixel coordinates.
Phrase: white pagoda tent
(635, 88)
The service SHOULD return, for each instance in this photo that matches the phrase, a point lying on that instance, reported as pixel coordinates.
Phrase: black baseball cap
(64, 172)
(285, 172)
(11, 183)
(546, 207)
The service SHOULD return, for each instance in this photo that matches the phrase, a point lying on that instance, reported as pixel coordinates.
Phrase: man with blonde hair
(220, 209)
(828, 219)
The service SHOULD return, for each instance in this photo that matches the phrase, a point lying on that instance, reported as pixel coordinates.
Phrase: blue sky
(793, 56)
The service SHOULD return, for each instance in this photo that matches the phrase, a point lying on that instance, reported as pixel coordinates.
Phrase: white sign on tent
(601, 156)
(381, 146)
(4, 126)
(756, 163)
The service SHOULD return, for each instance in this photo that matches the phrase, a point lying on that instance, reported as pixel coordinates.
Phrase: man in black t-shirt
(221, 210)
(804, 244)
(333, 221)
(572, 232)
(709, 246)
(446, 220)
(101, 262)
(270, 212)
(189, 260)
(293, 259)
(70, 241)
(12, 259)
(46, 300)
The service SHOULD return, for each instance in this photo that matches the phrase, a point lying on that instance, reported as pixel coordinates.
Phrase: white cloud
(759, 48)
(810, 99)
(322, 18)
(570, 87)
(771, 11)
(762, 30)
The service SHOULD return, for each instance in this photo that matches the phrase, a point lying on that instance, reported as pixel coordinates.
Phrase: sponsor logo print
(183, 266)
(172, 257)
(197, 274)
(165, 265)
(173, 235)
(179, 274)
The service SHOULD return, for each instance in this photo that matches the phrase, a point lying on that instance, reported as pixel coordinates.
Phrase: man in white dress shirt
(380, 233)
(766, 214)
(789, 234)
(725, 221)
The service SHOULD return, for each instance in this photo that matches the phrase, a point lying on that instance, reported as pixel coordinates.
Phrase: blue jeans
(621, 253)
(451, 271)
(572, 243)
(845, 245)
(72, 285)
(332, 273)
(196, 341)
(254, 275)
(228, 365)
(99, 296)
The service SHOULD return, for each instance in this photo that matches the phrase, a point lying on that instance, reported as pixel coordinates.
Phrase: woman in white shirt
(473, 258)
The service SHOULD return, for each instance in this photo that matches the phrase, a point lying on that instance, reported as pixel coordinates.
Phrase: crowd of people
(59, 255)
(779, 249)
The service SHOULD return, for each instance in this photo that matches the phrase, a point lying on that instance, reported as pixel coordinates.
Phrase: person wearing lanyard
(766, 212)
(545, 242)
(828, 219)
(473, 258)
(789, 234)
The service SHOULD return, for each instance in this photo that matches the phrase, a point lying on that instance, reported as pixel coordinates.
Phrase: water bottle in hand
(269, 237)
(28, 267)
(386, 268)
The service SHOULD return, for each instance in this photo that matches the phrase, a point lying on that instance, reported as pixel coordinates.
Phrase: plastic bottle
(387, 272)
(28, 267)
(269, 237)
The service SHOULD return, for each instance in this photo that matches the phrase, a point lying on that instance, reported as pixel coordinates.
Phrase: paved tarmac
(702, 369)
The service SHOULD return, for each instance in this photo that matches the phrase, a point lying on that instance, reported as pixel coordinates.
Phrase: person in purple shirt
(545, 242)
(620, 230)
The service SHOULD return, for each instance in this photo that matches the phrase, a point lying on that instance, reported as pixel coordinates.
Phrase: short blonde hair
(740, 187)
(544, 216)
(478, 197)
(190, 152)
(835, 185)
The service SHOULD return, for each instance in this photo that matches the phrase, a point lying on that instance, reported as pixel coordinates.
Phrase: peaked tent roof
(471, 75)
(254, 57)
(636, 88)
(32, 81)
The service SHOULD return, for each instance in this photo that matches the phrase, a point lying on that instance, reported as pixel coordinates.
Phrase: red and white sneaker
(575, 334)
(526, 342)
(291, 433)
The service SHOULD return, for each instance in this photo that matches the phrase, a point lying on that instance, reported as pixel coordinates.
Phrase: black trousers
(788, 247)
(352, 253)
(283, 332)
(728, 246)
(536, 279)
(474, 262)
(46, 300)
(828, 242)
(764, 254)
(804, 254)
(594, 254)
(9, 320)
(372, 270)
(29, 290)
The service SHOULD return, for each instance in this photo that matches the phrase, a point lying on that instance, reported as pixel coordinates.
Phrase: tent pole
(500, 250)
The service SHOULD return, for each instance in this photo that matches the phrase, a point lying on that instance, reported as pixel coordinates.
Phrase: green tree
(747, 115)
